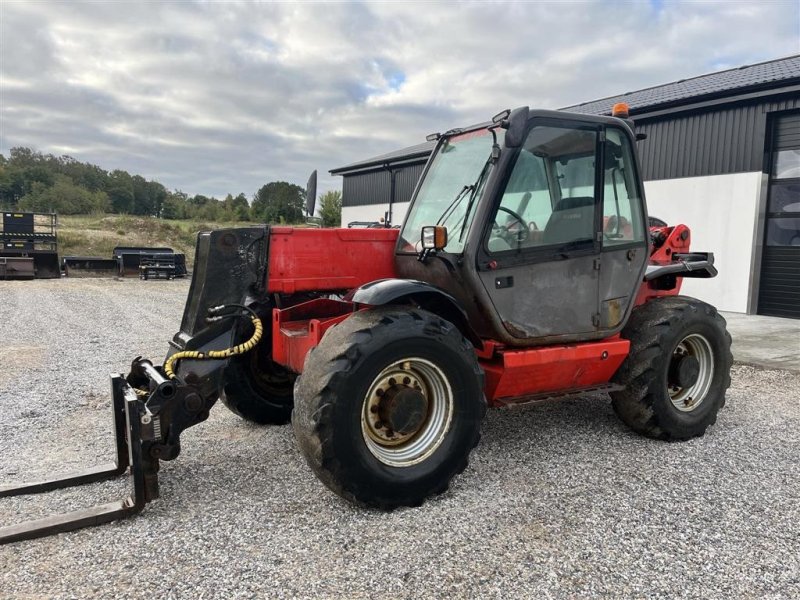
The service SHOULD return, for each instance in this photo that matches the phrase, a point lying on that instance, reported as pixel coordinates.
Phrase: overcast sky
(218, 97)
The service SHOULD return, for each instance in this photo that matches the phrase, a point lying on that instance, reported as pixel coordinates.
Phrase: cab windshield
(449, 188)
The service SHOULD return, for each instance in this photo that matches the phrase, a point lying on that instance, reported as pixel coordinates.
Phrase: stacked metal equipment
(150, 263)
(29, 246)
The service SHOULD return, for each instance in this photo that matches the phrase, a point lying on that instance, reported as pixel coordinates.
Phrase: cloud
(222, 97)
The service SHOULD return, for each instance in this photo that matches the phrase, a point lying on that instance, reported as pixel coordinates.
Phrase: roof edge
(710, 73)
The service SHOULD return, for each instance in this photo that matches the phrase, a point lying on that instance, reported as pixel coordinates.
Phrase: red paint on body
(678, 240)
(299, 328)
(515, 373)
(310, 259)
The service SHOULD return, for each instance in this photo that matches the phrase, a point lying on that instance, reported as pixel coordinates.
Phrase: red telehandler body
(525, 270)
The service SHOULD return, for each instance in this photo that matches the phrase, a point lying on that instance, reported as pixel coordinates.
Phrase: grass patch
(98, 235)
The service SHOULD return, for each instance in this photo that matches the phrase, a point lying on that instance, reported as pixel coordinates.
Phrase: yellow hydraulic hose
(169, 364)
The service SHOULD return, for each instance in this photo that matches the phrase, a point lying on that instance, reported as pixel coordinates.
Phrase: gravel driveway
(560, 500)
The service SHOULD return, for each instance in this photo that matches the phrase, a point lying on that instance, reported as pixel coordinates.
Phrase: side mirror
(434, 237)
(517, 125)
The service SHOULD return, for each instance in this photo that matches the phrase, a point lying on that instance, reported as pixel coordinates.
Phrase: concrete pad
(769, 342)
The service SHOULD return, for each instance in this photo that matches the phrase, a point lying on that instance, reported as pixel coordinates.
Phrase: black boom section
(230, 264)
(694, 264)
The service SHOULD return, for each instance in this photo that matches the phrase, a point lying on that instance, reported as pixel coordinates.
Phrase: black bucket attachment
(90, 266)
(16, 267)
(130, 258)
(45, 262)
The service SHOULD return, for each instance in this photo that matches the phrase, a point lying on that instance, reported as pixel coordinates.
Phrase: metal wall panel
(373, 187)
(779, 285)
(786, 135)
(714, 141)
(779, 294)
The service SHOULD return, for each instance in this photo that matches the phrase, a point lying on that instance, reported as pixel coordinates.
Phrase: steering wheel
(519, 234)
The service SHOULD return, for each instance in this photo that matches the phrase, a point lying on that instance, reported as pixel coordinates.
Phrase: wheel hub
(690, 372)
(684, 371)
(407, 412)
(403, 409)
(398, 408)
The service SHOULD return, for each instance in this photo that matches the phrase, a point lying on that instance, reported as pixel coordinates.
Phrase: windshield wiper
(493, 156)
(473, 193)
(449, 210)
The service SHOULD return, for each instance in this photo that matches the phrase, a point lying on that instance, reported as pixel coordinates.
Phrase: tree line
(33, 181)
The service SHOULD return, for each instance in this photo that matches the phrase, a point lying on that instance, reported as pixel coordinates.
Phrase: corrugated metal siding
(779, 287)
(712, 142)
(779, 292)
(374, 187)
(787, 133)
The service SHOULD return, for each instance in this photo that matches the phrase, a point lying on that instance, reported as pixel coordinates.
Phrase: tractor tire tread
(324, 378)
(649, 330)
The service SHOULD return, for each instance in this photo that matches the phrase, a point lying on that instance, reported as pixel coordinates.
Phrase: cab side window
(549, 199)
(622, 204)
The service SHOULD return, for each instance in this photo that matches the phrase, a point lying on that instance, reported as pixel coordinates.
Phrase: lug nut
(379, 392)
(379, 424)
(373, 409)
(406, 380)
(392, 381)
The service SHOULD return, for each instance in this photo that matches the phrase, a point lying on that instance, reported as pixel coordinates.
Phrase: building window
(787, 164)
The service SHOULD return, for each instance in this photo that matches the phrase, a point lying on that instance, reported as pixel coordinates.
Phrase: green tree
(278, 202)
(158, 194)
(12, 185)
(330, 208)
(174, 206)
(236, 208)
(120, 191)
(64, 197)
(142, 203)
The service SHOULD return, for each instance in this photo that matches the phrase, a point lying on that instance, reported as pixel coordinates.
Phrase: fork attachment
(147, 426)
(150, 410)
(129, 414)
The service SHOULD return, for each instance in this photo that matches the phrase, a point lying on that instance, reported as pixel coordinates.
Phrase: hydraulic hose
(170, 363)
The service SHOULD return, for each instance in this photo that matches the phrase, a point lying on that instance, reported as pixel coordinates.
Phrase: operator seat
(572, 220)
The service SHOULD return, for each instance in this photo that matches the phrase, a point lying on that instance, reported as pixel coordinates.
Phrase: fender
(424, 295)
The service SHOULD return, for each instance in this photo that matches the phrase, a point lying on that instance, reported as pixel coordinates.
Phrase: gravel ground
(559, 500)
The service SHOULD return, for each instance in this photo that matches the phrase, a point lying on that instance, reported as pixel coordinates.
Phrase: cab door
(625, 250)
(540, 257)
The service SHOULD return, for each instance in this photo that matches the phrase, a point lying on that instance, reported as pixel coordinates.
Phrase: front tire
(389, 406)
(677, 371)
(257, 388)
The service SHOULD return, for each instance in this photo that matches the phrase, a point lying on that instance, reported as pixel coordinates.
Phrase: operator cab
(541, 216)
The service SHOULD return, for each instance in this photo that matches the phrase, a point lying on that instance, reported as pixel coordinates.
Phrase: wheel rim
(414, 394)
(687, 397)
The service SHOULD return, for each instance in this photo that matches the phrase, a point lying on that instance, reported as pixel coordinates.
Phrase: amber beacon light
(620, 110)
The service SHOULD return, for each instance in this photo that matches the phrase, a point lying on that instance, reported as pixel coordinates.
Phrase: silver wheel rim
(687, 399)
(405, 450)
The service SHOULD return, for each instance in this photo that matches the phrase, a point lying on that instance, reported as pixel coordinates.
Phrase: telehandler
(524, 271)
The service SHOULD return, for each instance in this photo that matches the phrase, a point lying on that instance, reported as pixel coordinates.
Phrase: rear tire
(380, 358)
(677, 371)
(257, 388)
